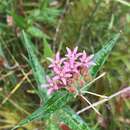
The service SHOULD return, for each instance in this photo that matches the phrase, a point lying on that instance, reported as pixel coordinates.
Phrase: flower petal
(57, 56)
(75, 50)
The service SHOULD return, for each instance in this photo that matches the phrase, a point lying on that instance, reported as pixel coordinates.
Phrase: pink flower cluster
(65, 69)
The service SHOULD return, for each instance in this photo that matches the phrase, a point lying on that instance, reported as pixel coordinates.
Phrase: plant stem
(95, 94)
(104, 100)
(90, 104)
(93, 81)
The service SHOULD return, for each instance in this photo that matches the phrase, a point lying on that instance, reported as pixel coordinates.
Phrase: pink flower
(63, 76)
(71, 67)
(85, 60)
(56, 63)
(72, 55)
(66, 69)
(52, 82)
(54, 85)
(72, 62)
(50, 90)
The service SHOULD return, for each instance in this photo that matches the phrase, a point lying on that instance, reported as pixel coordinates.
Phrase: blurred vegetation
(52, 25)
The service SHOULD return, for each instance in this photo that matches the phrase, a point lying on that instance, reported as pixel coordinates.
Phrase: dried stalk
(104, 100)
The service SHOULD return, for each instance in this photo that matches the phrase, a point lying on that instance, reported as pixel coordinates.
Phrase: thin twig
(22, 70)
(95, 94)
(104, 100)
(90, 104)
(7, 66)
(19, 67)
(16, 87)
(94, 80)
(17, 106)
(6, 75)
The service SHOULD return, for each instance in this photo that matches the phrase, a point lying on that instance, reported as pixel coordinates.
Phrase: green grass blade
(58, 100)
(37, 69)
(47, 49)
(124, 2)
(36, 32)
(19, 20)
(70, 118)
(1, 51)
(102, 55)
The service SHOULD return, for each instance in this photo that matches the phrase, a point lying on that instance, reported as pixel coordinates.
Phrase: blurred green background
(54, 25)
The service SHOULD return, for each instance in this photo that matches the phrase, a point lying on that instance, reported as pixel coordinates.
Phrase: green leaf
(45, 15)
(47, 50)
(36, 32)
(124, 2)
(37, 69)
(1, 51)
(19, 20)
(70, 118)
(57, 101)
(51, 124)
(101, 56)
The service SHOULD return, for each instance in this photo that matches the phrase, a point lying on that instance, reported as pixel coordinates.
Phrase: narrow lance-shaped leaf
(19, 21)
(124, 2)
(1, 51)
(58, 100)
(36, 32)
(51, 124)
(102, 55)
(70, 118)
(37, 69)
(47, 49)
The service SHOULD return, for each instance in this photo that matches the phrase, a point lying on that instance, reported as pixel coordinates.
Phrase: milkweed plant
(71, 76)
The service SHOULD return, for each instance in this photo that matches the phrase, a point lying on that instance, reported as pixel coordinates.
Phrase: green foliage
(46, 15)
(85, 23)
(124, 2)
(47, 49)
(36, 32)
(1, 51)
(57, 101)
(101, 56)
(61, 98)
(37, 69)
(69, 117)
(19, 20)
(51, 123)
